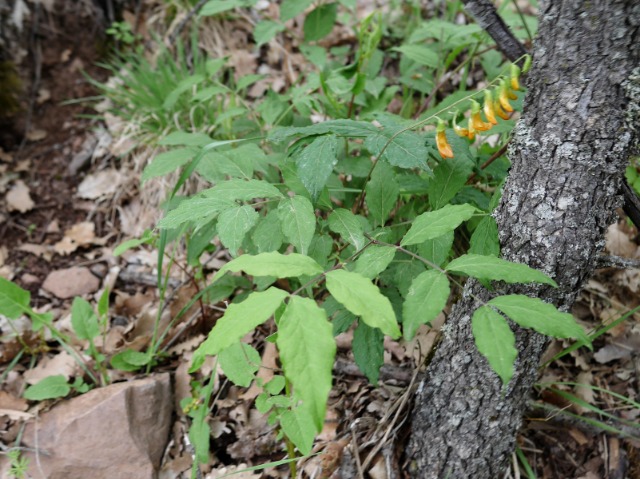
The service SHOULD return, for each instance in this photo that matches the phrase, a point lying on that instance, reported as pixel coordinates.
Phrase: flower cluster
(496, 105)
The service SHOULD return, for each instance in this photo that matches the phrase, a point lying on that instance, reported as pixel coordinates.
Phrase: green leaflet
(374, 260)
(382, 192)
(242, 190)
(298, 222)
(496, 269)
(368, 350)
(437, 250)
(167, 162)
(267, 235)
(51, 387)
(193, 209)
(84, 319)
(495, 341)
(347, 225)
(240, 362)
(319, 23)
(298, 425)
(217, 199)
(315, 163)
(182, 138)
(420, 54)
(307, 350)
(349, 128)
(237, 321)
(543, 317)
(436, 223)
(360, 296)
(273, 264)
(234, 224)
(14, 300)
(426, 298)
(484, 240)
(448, 179)
(399, 147)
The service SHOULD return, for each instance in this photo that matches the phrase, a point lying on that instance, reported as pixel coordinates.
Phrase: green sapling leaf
(543, 317)
(298, 222)
(360, 296)
(347, 225)
(495, 341)
(426, 298)
(497, 269)
(315, 163)
(368, 350)
(307, 350)
(84, 319)
(433, 224)
(14, 301)
(238, 320)
(240, 362)
(234, 224)
(273, 264)
(51, 387)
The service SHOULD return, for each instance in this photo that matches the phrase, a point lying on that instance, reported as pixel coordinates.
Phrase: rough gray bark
(569, 152)
(484, 13)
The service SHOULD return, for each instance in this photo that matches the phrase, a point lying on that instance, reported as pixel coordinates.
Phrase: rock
(119, 431)
(70, 282)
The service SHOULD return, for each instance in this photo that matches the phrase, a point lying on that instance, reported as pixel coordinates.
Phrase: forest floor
(66, 201)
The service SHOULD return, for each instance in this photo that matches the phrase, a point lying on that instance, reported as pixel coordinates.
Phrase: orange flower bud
(472, 131)
(499, 111)
(503, 98)
(463, 132)
(476, 120)
(444, 148)
(515, 75)
(488, 107)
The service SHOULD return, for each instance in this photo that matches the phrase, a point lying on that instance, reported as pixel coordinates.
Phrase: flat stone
(70, 282)
(119, 431)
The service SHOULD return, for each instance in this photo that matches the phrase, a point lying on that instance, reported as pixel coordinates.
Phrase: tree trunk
(569, 152)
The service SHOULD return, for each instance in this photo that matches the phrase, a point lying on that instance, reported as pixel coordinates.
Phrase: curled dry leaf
(79, 235)
(101, 184)
(18, 198)
(62, 363)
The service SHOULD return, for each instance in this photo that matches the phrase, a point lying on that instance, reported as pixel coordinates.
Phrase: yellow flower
(488, 107)
(463, 132)
(444, 148)
(497, 108)
(503, 98)
(476, 120)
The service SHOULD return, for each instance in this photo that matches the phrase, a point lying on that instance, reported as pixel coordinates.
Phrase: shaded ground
(361, 419)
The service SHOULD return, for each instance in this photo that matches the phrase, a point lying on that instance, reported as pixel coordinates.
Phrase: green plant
(362, 220)
(19, 464)
(15, 302)
(121, 32)
(372, 246)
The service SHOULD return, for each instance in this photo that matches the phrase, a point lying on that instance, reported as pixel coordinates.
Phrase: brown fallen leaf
(36, 135)
(18, 198)
(79, 235)
(62, 363)
(43, 251)
(101, 184)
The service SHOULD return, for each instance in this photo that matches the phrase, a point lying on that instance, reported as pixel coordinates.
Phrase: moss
(10, 89)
